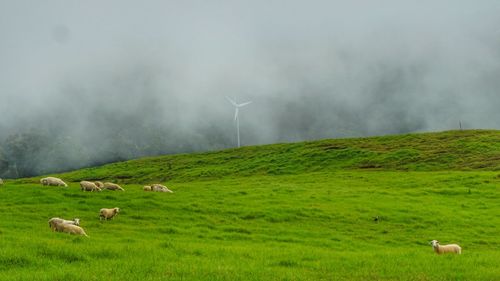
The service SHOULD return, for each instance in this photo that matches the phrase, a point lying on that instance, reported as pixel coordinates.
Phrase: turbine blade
(231, 101)
(236, 114)
(245, 103)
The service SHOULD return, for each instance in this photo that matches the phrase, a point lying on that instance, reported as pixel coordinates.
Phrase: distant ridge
(449, 150)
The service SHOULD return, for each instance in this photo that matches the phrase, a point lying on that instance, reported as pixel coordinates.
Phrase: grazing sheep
(160, 188)
(54, 221)
(451, 248)
(53, 181)
(88, 186)
(112, 186)
(108, 213)
(70, 228)
(147, 188)
(99, 184)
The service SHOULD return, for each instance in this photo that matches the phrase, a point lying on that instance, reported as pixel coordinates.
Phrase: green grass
(250, 214)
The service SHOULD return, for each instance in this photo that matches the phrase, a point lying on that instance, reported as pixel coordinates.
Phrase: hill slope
(451, 150)
(340, 210)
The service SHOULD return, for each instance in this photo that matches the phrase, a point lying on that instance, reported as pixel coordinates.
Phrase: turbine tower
(236, 118)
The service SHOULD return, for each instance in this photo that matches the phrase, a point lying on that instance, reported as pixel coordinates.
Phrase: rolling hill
(298, 211)
(451, 150)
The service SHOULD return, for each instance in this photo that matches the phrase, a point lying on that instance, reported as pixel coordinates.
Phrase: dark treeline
(37, 151)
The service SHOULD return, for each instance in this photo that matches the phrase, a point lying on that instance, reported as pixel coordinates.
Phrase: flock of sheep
(99, 186)
(73, 226)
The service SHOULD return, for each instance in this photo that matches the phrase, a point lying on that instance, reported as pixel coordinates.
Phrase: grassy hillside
(452, 150)
(299, 211)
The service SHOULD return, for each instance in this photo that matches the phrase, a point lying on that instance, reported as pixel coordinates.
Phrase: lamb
(88, 186)
(99, 184)
(147, 188)
(53, 181)
(70, 228)
(54, 221)
(108, 213)
(450, 248)
(112, 186)
(160, 188)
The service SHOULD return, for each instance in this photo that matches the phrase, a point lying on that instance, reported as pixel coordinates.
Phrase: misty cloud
(107, 81)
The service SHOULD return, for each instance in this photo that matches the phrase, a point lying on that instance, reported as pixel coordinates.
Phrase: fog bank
(84, 83)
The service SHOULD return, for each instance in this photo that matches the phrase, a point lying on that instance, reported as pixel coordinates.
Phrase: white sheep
(112, 186)
(108, 213)
(1, 181)
(70, 228)
(147, 188)
(53, 181)
(450, 248)
(160, 188)
(88, 186)
(54, 221)
(99, 184)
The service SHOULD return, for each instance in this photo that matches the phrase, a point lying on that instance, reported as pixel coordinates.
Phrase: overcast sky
(313, 69)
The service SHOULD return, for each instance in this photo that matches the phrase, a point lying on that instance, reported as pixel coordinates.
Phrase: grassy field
(301, 211)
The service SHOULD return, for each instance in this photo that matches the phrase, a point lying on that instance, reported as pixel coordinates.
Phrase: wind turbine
(236, 118)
